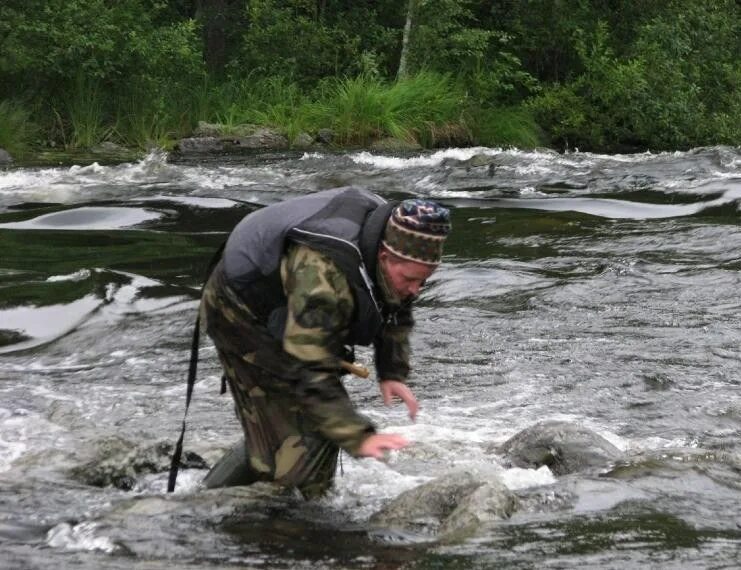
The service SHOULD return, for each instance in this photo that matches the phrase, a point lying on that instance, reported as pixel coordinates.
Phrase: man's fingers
(406, 396)
(390, 388)
(376, 445)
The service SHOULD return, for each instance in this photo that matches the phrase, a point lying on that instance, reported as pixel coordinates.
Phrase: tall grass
(82, 119)
(17, 128)
(426, 108)
(429, 108)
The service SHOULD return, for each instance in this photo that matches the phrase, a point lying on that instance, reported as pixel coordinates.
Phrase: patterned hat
(416, 231)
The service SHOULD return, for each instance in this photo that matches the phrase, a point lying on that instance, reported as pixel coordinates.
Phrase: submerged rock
(450, 506)
(117, 462)
(723, 467)
(561, 446)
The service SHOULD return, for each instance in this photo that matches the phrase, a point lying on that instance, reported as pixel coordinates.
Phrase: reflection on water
(597, 290)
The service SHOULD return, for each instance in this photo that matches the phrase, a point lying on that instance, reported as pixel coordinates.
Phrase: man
(299, 284)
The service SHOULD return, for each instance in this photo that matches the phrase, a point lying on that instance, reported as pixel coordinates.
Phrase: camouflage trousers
(281, 443)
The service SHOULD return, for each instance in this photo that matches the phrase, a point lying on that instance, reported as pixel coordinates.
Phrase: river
(600, 290)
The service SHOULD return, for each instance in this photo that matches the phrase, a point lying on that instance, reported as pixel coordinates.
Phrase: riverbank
(426, 111)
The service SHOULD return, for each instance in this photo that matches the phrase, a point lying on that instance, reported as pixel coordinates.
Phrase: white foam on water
(188, 482)
(366, 484)
(80, 275)
(312, 155)
(21, 432)
(79, 537)
(397, 163)
(517, 478)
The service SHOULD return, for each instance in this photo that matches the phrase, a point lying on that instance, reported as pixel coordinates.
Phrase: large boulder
(450, 506)
(561, 446)
(118, 462)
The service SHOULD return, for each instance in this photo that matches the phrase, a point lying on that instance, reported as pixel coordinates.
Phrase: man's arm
(320, 309)
(392, 359)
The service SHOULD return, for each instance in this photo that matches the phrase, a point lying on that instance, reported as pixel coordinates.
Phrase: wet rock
(5, 157)
(721, 466)
(117, 462)
(489, 502)
(325, 136)
(205, 129)
(451, 505)
(391, 144)
(303, 140)
(478, 160)
(108, 147)
(9, 336)
(200, 145)
(262, 139)
(561, 446)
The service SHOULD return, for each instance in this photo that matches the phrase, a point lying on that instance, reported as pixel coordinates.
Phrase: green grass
(82, 117)
(505, 127)
(426, 108)
(17, 128)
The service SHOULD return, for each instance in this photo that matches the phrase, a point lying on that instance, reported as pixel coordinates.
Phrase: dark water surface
(594, 289)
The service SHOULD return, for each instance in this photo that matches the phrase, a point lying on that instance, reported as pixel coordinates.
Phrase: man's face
(405, 278)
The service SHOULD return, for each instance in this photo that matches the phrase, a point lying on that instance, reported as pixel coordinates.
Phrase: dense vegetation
(592, 74)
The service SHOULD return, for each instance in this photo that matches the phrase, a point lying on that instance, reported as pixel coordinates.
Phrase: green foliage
(17, 129)
(505, 127)
(448, 38)
(285, 39)
(676, 89)
(593, 74)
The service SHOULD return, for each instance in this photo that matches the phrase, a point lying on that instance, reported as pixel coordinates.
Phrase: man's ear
(383, 254)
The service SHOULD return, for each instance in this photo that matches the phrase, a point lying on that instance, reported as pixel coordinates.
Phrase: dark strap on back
(192, 369)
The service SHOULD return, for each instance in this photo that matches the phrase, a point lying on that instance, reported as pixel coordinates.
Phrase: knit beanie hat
(416, 231)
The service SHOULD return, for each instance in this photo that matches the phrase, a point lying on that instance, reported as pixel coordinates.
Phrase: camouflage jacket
(305, 362)
(320, 311)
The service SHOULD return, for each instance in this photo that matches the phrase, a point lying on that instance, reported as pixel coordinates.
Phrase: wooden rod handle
(353, 368)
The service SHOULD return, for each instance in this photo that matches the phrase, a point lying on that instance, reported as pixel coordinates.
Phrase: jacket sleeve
(320, 310)
(392, 345)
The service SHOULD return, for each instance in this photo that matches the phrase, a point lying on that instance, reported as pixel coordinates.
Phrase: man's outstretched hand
(378, 444)
(391, 389)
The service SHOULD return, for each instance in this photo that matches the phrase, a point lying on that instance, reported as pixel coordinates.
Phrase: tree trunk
(213, 17)
(403, 59)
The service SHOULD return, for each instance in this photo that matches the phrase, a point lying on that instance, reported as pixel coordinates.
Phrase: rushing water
(599, 290)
